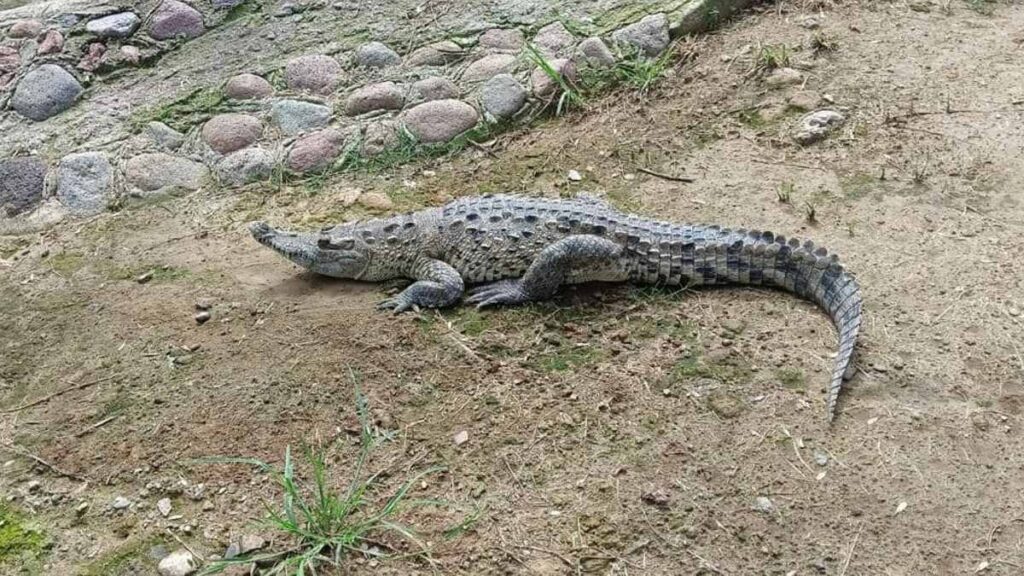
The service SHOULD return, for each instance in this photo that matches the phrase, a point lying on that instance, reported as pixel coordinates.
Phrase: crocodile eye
(328, 243)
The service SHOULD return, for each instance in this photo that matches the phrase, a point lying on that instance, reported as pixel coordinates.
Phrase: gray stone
(245, 166)
(594, 52)
(503, 39)
(158, 172)
(294, 117)
(784, 77)
(440, 120)
(247, 87)
(376, 55)
(315, 151)
(544, 85)
(764, 504)
(434, 88)
(85, 183)
(803, 101)
(817, 125)
(174, 19)
(379, 136)
(373, 97)
(164, 506)
(502, 96)
(177, 563)
(437, 54)
(226, 133)
(649, 36)
(21, 184)
(120, 25)
(25, 29)
(120, 503)
(46, 91)
(489, 66)
(554, 40)
(316, 73)
(164, 136)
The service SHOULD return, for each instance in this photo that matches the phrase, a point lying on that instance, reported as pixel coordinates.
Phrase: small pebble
(164, 506)
(202, 317)
(764, 504)
(461, 438)
(575, 176)
(144, 277)
(120, 503)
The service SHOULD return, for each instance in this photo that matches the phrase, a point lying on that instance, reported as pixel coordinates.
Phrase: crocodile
(519, 249)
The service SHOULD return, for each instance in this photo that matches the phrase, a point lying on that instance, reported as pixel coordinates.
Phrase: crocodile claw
(397, 305)
(506, 292)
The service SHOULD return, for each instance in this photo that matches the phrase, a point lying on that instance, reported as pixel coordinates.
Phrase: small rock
(649, 36)
(544, 86)
(225, 133)
(145, 277)
(93, 57)
(461, 438)
(44, 92)
(177, 563)
(164, 507)
(316, 73)
(554, 40)
(379, 136)
(809, 22)
(373, 97)
(129, 55)
(818, 125)
(174, 19)
(781, 77)
(251, 543)
(164, 136)
(575, 176)
(315, 151)
(10, 61)
(489, 66)
(434, 88)
(803, 101)
(158, 172)
(204, 304)
(376, 55)
(52, 42)
(725, 404)
(85, 182)
(234, 549)
(81, 509)
(288, 8)
(294, 117)
(21, 184)
(979, 421)
(502, 96)
(440, 120)
(347, 196)
(247, 87)
(120, 25)
(595, 53)
(658, 498)
(764, 504)
(502, 39)
(437, 54)
(376, 201)
(1013, 311)
(120, 503)
(25, 29)
(33, 486)
(202, 317)
(820, 457)
(245, 166)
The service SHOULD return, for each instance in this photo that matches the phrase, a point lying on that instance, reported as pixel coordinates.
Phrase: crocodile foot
(506, 292)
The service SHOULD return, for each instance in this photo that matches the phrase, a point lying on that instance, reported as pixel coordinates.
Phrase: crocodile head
(325, 253)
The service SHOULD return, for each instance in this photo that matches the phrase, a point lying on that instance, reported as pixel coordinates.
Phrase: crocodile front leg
(577, 257)
(437, 285)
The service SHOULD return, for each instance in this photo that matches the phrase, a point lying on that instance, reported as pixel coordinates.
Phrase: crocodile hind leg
(437, 285)
(573, 258)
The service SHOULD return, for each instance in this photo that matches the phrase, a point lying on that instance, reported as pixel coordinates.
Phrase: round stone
(25, 29)
(247, 87)
(817, 125)
(84, 182)
(159, 172)
(21, 184)
(781, 77)
(649, 36)
(174, 19)
(595, 53)
(315, 151)
(502, 96)
(46, 91)
(52, 42)
(503, 39)
(120, 25)
(379, 137)
(164, 136)
(177, 563)
(226, 133)
(245, 166)
(489, 66)
(376, 55)
(434, 88)
(376, 201)
(440, 120)
(544, 85)
(295, 116)
(373, 97)
(554, 40)
(316, 73)
(437, 54)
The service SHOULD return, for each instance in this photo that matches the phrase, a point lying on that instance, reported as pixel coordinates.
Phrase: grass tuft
(769, 57)
(570, 98)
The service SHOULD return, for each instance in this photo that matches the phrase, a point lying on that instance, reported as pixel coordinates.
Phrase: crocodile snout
(260, 230)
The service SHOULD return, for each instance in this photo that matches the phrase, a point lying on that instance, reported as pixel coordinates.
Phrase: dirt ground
(615, 430)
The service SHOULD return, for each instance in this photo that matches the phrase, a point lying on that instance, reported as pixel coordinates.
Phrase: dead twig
(849, 556)
(663, 176)
(106, 420)
(564, 560)
(56, 394)
(186, 546)
(52, 467)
